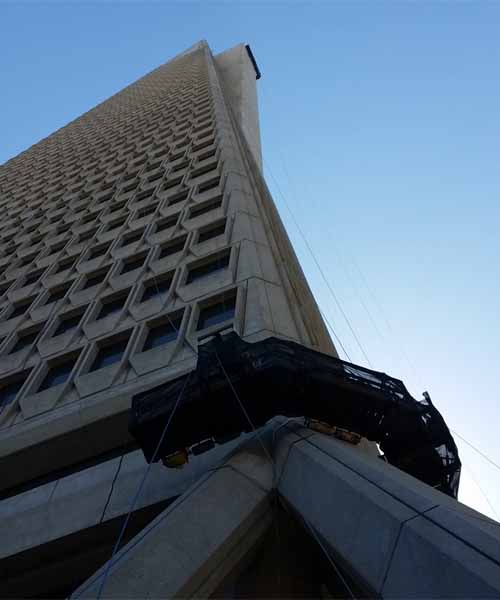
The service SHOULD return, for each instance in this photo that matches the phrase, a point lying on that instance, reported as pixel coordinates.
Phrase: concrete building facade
(128, 238)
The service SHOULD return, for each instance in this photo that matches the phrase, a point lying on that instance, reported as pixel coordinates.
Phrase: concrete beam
(190, 547)
(395, 534)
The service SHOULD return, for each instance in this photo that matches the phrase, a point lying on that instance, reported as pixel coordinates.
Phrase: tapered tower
(152, 309)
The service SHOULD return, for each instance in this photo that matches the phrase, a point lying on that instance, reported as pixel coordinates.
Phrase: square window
(212, 232)
(173, 247)
(20, 309)
(65, 265)
(9, 391)
(23, 341)
(111, 307)
(67, 324)
(207, 268)
(86, 235)
(109, 355)
(217, 313)
(99, 251)
(167, 223)
(132, 265)
(155, 288)
(57, 294)
(57, 374)
(94, 279)
(208, 185)
(204, 208)
(133, 237)
(162, 334)
(178, 198)
(32, 277)
(116, 224)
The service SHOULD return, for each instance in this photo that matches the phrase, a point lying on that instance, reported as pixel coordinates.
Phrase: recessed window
(99, 251)
(132, 265)
(178, 198)
(111, 307)
(68, 324)
(167, 223)
(94, 279)
(9, 391)
(20, 309)
(86, 235)
(155, 288)
(57, 247)
(133, 237)
(65, 264)
(28, 259)
(144, 195)
(117, 206)
(33, 277)
(57, 374)
(116, 224)
(23, 341)
(173, 247)
(217, 313)
(202, 209)
(212, 232)
(207, 268)
(209, 185)
(109, 355)
(147, 210)
(57, 294)
(162, 334)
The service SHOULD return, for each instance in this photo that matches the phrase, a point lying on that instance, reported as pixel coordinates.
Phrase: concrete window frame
(158, 265)
(142, 309)
(50, 343)
(120, 278)
(11, 308)
(164, 228)
(208, 233)
(96, 256)
(129, 243)
(90, 381)
(35, 401)
(193, 273)
(94, 325)
(43, 308)
(11, 408)
(202, 212)
(236, 322)
(146, 361)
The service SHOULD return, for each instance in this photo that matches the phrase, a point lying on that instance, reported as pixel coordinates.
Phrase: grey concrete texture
(238, 74)
(400, 537)
(97, 494)
(191, 546)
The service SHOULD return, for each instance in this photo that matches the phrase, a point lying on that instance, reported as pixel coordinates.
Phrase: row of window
(115, 302)
(95, 227)
(126, 155)
(86, 129)
(37, 216)
(111, 350)
(129, 263)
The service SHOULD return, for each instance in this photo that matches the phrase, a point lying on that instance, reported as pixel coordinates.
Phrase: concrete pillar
(397, 536)
(191, 546)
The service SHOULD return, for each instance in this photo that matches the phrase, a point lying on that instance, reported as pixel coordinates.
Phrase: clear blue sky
(379, 123)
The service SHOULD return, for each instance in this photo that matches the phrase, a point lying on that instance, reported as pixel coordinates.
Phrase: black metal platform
(277, 377)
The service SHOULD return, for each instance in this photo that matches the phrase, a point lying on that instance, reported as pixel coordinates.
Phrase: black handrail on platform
(277, 377)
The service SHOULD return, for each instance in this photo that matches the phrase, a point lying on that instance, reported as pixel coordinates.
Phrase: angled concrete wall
(189, 548)
(397, 535)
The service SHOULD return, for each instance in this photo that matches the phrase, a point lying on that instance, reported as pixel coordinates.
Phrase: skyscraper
(129, 238)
